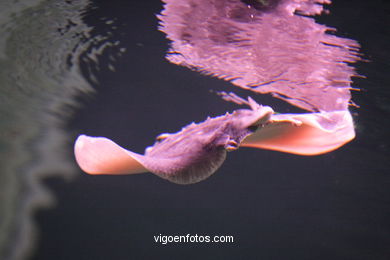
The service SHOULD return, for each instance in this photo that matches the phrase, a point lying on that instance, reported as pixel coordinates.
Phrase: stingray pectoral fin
(99, 155)
(304, 134)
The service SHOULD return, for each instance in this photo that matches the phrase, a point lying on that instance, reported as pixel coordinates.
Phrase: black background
(277, 206)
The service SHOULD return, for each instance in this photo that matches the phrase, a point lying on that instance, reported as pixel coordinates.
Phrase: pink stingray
(264, 46)
(198, 150)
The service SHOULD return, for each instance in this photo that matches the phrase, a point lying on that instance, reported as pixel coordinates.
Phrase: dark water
(277, 206)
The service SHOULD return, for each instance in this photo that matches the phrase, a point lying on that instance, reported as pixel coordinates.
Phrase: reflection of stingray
(275, 51)
(40, 44)
(266, 47)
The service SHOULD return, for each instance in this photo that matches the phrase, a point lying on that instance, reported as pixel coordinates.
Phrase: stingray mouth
(263, 118)
(253, 128)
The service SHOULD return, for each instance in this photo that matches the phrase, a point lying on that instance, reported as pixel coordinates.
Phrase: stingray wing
(304, 134)
(99, 155)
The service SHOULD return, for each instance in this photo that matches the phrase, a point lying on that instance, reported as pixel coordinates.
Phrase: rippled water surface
(98, 68)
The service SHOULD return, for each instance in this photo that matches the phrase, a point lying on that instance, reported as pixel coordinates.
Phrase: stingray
(198, 150)
(268, 46)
